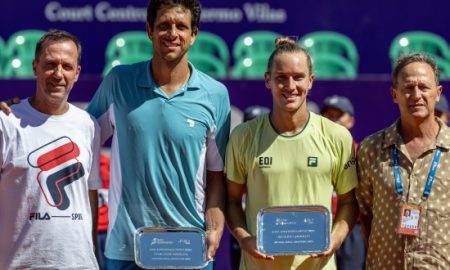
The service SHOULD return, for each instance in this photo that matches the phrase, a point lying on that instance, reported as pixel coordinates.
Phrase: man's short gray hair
(406, 59)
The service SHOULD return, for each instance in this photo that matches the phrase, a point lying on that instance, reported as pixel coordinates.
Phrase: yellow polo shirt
(299, 170)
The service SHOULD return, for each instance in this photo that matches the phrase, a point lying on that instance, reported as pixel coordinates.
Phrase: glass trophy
(170, 248)
(293, 230)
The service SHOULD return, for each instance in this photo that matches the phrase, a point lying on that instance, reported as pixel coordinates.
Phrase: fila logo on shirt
(313, 161)
(59, 167)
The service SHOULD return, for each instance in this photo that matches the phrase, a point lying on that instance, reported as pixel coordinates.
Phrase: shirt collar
(392, 135)
(443, 137)
(145, 78)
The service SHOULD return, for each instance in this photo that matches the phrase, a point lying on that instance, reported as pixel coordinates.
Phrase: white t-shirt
(48, 164)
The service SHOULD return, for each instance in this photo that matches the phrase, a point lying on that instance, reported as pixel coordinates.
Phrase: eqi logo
(59, 167)
(265, 162)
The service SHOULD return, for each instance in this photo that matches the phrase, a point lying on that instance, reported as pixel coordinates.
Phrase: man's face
(343, 118)
(416, 92)
(56, 71)
(172, 34)
(289, 81)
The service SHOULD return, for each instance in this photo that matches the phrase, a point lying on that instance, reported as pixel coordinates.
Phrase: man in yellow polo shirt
(289, 157)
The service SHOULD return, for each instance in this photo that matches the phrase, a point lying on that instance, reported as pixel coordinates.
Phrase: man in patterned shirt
(406, 167)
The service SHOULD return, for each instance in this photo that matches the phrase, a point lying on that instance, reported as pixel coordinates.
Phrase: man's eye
(163, 27)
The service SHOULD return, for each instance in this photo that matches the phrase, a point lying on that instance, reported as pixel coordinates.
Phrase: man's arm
(93, 201)
(214, 214)
(236, 221)
(346, 214)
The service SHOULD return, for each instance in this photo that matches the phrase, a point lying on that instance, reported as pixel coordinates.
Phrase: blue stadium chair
(210, 54)
(331, 43)
(423, 42)
(254, 43)
(127, 48)
(251, 52)
(209, 65)
(211, 44)
(252, 68)
(332, 66)
(20, 50)
(419, 41)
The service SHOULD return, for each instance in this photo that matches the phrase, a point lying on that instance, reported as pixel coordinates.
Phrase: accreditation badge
(409, 219)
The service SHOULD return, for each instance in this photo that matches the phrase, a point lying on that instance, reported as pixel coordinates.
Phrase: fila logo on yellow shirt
(313, 161)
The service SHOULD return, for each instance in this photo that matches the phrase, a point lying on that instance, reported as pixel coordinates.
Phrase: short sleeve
(101, 105)
(345, 177)
(94, 180)
(235, 163)
(221, 131)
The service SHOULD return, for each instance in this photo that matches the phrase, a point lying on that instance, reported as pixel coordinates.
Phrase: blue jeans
(101, 240)
(112, 264)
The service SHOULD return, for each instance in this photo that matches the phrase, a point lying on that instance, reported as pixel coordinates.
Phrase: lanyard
(431, 174)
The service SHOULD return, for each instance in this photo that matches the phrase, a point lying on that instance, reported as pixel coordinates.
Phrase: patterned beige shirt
(377, 196)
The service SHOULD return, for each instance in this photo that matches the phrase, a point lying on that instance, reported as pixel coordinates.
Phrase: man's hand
(214, 217)
(212, 240)
(5, 106)
(334, 246)
(249, 245)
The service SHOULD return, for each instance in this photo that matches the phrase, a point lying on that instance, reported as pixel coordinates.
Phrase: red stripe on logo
(58, 156)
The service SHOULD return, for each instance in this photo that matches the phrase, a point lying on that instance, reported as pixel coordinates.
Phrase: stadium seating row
(334, 55)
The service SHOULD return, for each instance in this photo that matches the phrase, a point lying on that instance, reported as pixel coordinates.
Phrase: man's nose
(416, 92)
(58, 71)
(173, 31)
(290, 84)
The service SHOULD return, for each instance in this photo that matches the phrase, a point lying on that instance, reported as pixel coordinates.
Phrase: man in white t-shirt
(49, 152)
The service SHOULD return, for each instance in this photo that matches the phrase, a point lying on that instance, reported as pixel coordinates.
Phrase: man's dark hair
(193, 5)
(55, 35)
(287, 45)
(406, 59)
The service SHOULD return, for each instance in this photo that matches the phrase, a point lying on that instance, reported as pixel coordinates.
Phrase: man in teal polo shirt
(169, 124)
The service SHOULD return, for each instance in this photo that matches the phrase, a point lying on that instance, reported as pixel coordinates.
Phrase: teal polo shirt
(161, 149)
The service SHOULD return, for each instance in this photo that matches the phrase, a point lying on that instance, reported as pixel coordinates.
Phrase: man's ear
(78, 73)
(439, 92)
(149, 31)
(267, 80)
(34, 65)
(194, 36)
(394, 94)
(311, 81)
